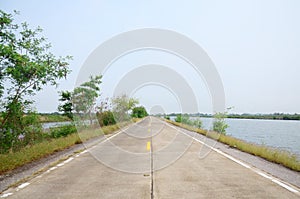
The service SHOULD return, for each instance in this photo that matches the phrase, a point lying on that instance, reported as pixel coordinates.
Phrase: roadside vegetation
(185, 119)
(26, 66)
(59, 139)
(52, 117)
(139, 112)
(271, 154)
(219, 123)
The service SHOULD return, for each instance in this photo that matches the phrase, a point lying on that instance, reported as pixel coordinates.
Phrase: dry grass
(52, 118)
(37, 151)
(13, 160)
(135, 120)
(282, 157)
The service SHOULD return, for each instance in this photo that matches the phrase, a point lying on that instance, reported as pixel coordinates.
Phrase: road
(151, 159)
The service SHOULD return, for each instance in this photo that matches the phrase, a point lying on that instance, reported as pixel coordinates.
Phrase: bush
(106, 118)
(167, 117)
(62, 131)
(219, 124)
(197, 123)
(185, 119)
(139, 112)
(16, 134)
(178, 118)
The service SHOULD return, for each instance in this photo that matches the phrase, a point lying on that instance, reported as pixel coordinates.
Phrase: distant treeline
(49, 117)
(274, 116)
(52, 117)
(271, 116)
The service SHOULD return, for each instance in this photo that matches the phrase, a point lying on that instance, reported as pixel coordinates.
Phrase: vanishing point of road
(151, 159)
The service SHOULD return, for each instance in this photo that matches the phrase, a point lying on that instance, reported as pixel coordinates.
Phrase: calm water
(54, 124)
(281, 134)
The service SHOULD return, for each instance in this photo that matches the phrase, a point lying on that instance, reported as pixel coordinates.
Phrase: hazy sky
(254, 44)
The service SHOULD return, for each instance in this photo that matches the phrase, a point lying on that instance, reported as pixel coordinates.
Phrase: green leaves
(26, 65)
(85, 95)
(219, 124)
(139, 112)
(185, 119)
(122, 105)
(25, 59)
(84, 98)
(67, 106)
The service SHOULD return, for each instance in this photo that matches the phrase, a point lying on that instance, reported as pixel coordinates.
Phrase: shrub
(167, 117)
(139, 112)
(25, 130)
(197, 123)
(219, 124)
(106, 118)
(62, 131)
(185, 119)
(178, 118)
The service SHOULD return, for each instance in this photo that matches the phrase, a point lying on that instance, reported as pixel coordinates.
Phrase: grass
(43, 118)
(37, 151)
(135, 120)
(282, 157)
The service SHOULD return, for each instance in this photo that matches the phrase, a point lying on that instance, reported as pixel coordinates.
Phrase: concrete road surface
(150, 159)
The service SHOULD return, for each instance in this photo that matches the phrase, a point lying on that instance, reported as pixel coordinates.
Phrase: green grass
(37, 151)
(282, 157)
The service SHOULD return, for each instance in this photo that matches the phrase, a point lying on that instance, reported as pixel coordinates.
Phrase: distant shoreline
(274, 116)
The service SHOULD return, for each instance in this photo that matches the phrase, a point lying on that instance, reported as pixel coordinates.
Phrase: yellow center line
(148, 146)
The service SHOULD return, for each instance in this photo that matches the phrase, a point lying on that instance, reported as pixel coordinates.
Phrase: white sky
(254, 44)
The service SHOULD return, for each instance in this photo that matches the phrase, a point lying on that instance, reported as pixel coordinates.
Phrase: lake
(281, 134)
(54, 124)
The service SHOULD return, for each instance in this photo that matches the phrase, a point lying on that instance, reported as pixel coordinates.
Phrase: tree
(122, 105)
(67, 106)
(84, 97)
(139, 112)
(104, 105)
(26, 65)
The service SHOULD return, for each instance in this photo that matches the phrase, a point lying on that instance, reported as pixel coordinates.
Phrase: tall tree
(84, 97)
(26, 65)
(122, 105)
(67, 106)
